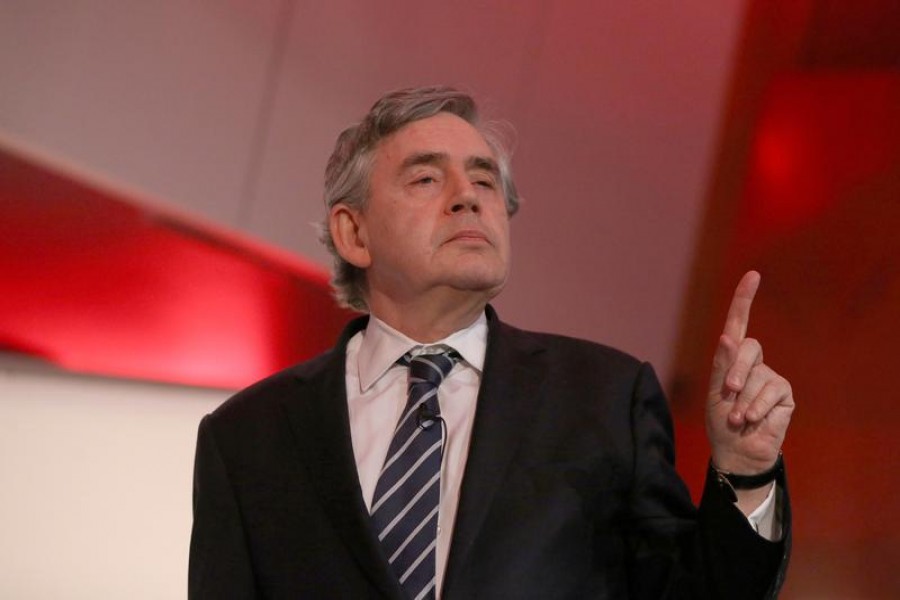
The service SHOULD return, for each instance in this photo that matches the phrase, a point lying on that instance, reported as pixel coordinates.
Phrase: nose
(465, 197)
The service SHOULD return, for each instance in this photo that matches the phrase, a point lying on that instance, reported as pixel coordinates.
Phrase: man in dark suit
(553, 457)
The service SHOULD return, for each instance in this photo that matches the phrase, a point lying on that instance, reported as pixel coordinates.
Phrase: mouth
(469, 236)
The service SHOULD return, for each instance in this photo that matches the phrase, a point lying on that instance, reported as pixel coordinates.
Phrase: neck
(427, 322)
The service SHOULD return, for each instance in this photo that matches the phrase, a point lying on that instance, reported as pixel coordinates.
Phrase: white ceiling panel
(342, 56)
(615, 149)
(615, 106)
(163, 96)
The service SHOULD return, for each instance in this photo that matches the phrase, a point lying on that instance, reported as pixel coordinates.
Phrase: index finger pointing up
(739, 311)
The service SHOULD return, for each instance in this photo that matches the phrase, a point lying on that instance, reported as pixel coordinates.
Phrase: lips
(469, 235)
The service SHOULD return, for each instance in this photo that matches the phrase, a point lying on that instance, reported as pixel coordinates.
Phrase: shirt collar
(382, 346)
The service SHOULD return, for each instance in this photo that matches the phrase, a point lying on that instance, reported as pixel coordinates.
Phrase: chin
(489, 284)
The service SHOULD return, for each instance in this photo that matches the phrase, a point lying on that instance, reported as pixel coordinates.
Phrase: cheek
(405, 239)
(387, 228)
(502, 229)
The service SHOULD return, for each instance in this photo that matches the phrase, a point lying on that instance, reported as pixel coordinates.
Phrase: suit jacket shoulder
(278, 511)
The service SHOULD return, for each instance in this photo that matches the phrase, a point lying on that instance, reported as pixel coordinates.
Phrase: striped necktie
(405, 503)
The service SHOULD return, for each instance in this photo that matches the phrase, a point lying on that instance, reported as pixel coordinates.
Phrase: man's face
(435, 220)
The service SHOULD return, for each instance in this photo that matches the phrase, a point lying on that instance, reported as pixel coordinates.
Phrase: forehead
(443, 133)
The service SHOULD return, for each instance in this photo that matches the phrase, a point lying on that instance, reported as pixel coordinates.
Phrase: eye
(424, 178)
(488, 183)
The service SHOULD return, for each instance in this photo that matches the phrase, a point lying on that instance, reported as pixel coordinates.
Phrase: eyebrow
(422, 158)
(481, 163)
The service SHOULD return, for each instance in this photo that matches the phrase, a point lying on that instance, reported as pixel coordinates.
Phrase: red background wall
(808, 192)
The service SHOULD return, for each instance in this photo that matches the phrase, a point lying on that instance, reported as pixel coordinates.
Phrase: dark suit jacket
(569, 490)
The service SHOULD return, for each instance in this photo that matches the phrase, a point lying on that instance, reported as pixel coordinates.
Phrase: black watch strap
(731, 481)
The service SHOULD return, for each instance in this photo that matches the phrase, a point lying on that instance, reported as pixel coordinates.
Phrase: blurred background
(161, 168)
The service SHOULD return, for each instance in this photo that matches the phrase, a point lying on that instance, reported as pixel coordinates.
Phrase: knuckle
(788, 389)
(754, 348)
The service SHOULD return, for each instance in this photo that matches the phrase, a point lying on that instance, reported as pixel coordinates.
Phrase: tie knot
(430, 368)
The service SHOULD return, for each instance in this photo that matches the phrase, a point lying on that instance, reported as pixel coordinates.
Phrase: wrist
(731, 482)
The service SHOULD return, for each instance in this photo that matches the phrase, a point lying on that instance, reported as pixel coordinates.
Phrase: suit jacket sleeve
(571, 490)
(219, 559)
(714, 554)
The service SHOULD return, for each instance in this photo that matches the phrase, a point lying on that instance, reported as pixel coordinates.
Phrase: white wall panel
(95, 485)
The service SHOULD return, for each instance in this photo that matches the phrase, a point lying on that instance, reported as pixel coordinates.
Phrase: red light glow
(96, 284)
(819, 136)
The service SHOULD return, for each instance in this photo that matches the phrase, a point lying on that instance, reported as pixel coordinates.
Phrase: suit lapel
(321, 425)
(509, 395)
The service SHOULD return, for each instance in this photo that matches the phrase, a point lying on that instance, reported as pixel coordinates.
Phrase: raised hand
(749, 405)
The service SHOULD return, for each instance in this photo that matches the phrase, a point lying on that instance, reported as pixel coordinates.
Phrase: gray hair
(350, 164)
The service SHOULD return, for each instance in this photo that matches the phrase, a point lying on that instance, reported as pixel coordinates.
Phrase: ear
(347, 228)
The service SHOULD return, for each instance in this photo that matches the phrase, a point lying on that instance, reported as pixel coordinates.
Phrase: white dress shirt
(376, 397)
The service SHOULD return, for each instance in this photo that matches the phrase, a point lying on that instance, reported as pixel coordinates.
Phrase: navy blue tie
(405, 504)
